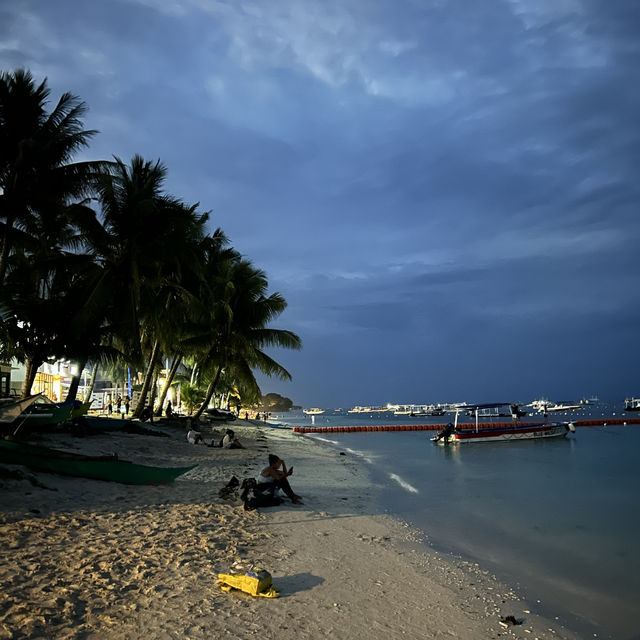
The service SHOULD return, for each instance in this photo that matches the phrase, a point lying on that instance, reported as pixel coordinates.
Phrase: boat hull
(506, 433)
(107, 468)
(44, 415)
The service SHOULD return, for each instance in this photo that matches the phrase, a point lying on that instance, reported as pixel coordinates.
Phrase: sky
(445, 191)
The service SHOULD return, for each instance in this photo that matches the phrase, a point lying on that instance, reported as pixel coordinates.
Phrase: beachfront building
(52, 379)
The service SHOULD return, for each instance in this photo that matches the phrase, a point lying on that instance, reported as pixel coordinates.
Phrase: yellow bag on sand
(256, 582)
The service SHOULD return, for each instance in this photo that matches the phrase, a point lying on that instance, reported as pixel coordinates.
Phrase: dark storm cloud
(423, 181)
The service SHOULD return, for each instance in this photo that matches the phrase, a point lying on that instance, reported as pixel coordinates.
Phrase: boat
(104, 423)
(66, 463)
(43, 412)
(79, 409)
(33, 412)
(632, 404)
(499, 431)
(314, 411)
(562, 407)
(12, 408)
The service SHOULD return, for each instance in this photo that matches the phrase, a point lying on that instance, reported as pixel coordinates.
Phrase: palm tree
(238, 334)
(45, 286)
(148, 247)
(36, 149)
(41, 194)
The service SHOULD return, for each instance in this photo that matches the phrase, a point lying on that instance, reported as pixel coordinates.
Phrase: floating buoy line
(438, 427)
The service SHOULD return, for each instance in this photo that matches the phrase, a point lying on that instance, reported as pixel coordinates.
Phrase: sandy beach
(90, 559)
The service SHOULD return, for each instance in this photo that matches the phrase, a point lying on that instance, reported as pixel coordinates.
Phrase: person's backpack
(254, 498)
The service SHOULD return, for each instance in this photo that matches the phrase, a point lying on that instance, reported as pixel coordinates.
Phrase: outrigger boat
(498, 431)
(12, 408)
(68, 463)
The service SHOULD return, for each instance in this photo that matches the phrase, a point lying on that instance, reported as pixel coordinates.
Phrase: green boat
(108, 468)
(80, 409)
(43, 414)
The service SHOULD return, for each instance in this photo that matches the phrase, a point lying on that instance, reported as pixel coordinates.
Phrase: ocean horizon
(556, 519)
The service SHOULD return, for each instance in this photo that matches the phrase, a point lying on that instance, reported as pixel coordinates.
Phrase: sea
(557, 519)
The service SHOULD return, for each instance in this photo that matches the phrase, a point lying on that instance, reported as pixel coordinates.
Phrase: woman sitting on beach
(230, 441)
(275, 475)
(193, 436)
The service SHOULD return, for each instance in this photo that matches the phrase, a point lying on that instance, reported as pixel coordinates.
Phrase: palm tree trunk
(154, 389)
(6, 246)
(92, 383)
(146, 383)
(31, 369)
(210, 389)
(170, 376)
(75, 382)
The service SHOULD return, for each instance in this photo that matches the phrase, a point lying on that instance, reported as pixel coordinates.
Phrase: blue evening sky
(445, 191)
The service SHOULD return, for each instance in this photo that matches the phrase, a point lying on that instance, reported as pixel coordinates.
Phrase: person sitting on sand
(275, 475)
(230, 441)
(193, 436)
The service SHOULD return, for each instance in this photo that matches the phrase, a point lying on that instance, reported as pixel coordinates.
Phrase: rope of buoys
(439, 427)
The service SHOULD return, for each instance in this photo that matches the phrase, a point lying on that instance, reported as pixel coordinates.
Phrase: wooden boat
(104, 423)
(43, 412)
(108, 468)
(12, 408)
(80, 409)
(500, 431)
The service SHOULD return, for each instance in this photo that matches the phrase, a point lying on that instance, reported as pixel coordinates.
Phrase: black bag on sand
(228, 492)
(254, 498)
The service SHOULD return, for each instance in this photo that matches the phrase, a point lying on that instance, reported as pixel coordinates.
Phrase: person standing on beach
(275, 475)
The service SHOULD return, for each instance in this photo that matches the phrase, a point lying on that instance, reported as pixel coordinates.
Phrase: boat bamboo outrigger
(499, 431)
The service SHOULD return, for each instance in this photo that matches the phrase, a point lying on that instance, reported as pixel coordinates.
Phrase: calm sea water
(559, 519)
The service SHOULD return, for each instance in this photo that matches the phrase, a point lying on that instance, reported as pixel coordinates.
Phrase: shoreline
(100, 559)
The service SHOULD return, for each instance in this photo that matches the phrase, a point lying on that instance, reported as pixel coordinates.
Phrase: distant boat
(562, 407)
(108, 468)
(632, 404)
(494, 432)
(547, 406)
(313, 411)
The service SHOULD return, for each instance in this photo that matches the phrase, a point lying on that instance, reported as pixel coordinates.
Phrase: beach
(91, 559)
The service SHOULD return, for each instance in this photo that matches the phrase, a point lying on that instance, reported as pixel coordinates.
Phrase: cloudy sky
(445, 191)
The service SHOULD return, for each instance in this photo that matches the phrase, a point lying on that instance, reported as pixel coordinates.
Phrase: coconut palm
(36, 149)
(239, 332)
(147, 246)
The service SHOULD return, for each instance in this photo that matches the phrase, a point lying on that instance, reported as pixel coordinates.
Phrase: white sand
(89, 559)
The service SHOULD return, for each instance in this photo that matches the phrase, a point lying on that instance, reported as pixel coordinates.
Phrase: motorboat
(313, 411)
(632, 404)
(456, 433)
